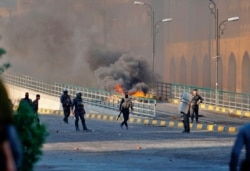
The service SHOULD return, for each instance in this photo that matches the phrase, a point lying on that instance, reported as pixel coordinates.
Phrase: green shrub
(32, 135)
(5, 65)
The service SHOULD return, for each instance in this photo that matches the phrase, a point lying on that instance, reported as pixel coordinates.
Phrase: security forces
(184, 109)
(27, 100)
(125, 104)
(66, 104)
(35, 104)
(197, 99)
(79, 111)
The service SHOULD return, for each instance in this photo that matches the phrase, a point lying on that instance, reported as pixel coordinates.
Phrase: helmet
(65, 91)
(79, 95)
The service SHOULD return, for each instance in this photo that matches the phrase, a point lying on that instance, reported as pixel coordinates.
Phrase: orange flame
(119, 89)
(138, 93)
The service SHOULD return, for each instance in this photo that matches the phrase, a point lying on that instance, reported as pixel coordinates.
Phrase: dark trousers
(125, 113)
(81, 116)
(195, 113)
(186, 122)
(66, 112)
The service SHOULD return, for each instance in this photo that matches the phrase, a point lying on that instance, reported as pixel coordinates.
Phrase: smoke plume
(60, 41)
(128, 71)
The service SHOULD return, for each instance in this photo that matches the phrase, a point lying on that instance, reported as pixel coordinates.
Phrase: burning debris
(127, 73)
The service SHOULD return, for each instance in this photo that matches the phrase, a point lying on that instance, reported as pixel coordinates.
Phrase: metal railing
(142, 106)
(162, 91)
(237, 101)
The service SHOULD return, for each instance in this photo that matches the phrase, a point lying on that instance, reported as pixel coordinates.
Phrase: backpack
(127, 103)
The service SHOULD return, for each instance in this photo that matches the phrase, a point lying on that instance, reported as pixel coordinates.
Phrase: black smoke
(61, 41)
(129, 71)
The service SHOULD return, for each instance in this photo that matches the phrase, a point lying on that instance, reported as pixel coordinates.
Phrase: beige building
(185, 47)
(190, 45)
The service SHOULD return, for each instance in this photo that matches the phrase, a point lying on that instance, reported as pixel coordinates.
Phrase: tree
(4, 66)
(32, 135)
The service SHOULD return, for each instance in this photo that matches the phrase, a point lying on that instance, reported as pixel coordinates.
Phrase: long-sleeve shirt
(196, 98)
(243, 139)
(66, 100)
(35, 105)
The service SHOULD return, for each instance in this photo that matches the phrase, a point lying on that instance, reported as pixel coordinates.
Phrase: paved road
(140, 148)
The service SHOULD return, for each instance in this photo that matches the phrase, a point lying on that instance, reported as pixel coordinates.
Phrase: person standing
(184, 109)
(243, 139)
(27, 100)
(197, 99)
(125, 104)
(66, 104)
(35, 106)
(79, 111)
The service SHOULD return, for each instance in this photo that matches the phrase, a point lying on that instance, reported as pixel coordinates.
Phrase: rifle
(119, 116)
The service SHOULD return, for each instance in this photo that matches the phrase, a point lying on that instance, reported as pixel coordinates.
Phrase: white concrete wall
(50, 102)
(46, 101)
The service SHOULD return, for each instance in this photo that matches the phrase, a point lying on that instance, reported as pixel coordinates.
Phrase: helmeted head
(26, 95)
(65, 91)
(79, 95)
(126, 94)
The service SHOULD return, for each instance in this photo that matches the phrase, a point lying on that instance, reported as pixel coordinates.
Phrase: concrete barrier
(46, 101)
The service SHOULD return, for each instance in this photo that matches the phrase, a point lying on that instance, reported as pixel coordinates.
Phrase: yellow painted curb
(171, 124)
(111, 118)
(154, 122)
(220, 128)
(223, 110)
(232, 129)
(132, 120)
(105, 117)
(210, 107)
(247, 114)
(99, 116)
(138, 120)
(163, 123)
(87, 115)
(199, 126)
(210, 127)
(180, 125)
(146, 122)
(93, 116)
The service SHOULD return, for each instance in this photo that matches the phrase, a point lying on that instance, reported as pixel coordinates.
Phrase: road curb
(165, 123)
(153, 122)
(222, 110)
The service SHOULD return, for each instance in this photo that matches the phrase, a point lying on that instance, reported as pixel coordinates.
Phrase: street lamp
(222, 25)
(154, 31)
(219, 30)
(138, 3)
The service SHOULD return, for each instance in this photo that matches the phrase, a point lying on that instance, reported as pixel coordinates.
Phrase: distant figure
(197, 99)
(125, 104)
(66, 104)
(35, 106)
(10, 147)
(184, 109)
(27, 100)
(243, 139)
(79, 111)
